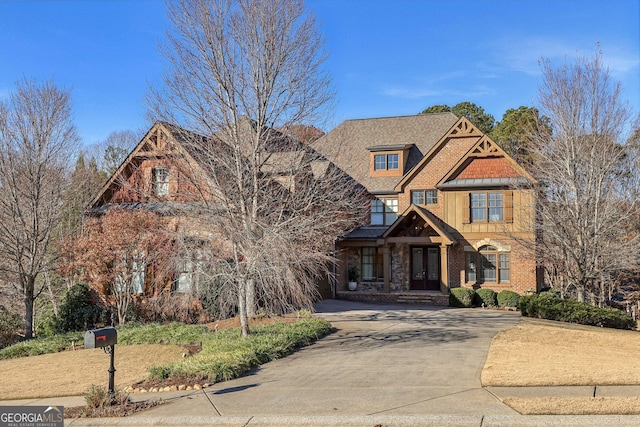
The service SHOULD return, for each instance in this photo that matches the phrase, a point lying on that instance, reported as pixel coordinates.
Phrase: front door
(425, 268)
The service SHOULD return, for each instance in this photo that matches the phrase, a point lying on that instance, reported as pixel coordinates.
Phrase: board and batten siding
(457, 203)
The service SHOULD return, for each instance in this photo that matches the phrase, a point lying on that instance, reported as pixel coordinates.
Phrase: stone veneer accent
(353, 259)
(371, 286)
(400, 268)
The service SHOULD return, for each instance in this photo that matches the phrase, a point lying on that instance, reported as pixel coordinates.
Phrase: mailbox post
(105, 338)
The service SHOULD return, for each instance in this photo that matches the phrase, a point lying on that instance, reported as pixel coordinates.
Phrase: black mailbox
(99, 338)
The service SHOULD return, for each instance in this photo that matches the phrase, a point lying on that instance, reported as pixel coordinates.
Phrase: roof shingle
(346, 145)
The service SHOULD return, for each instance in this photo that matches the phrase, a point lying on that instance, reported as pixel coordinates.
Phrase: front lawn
(548, 353)
(224, 355)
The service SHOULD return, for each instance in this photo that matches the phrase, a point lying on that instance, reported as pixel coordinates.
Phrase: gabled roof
(281, 153)
(429, 219)
(161, 140)
(486, 149)
(346, 145)
(462, 128)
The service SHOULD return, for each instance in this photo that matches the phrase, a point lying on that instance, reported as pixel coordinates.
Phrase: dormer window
(385, 162)
(388, 160)
(161, 181)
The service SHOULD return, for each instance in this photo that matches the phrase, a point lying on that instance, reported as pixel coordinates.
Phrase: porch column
(386, 268)
(444, 269)
(341, 270)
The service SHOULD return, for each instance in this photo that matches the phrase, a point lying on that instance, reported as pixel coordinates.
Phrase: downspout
(448, 270)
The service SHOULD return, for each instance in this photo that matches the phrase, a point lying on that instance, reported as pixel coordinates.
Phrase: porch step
(413, 298)
(435, 298)
(432, 299)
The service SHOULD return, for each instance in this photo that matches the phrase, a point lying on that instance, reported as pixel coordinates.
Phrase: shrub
(226, 355)
(485, 296)
(98, 397)
(45, 323)
(167, 308)
(508, 298)
(41, 345)
(548, 306)
(10, 324)
(77, 313)
(154, 333)
(461, 297)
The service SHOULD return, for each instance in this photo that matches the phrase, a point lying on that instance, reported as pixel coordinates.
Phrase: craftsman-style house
(449, 208)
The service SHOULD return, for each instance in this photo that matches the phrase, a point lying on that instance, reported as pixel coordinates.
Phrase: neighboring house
(449, 208)
(161, 175)
(155, 177)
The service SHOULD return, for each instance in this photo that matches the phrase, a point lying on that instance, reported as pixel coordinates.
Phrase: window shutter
(466, 209)
(508, 206)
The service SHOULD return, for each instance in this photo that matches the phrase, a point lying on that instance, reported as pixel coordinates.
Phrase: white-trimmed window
(136, 282)
(478, 207)
(495, 207)
(487, 207)
(188, 273)
(161, 181)
(137, 277)
(384, 211)
(472, 266)
(504, 268)
(487, 265)
(424, 197)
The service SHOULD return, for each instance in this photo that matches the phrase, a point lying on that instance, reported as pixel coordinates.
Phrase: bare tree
(109, 153)
(85, 180)
(239, 69)
(117, 147)
(37, 139)
(589, 176)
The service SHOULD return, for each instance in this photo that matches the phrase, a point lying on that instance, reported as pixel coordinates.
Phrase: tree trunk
(251, 298)
(28, 305)
(52, 296)
(242, 307)
(580, 291)
(121, 307)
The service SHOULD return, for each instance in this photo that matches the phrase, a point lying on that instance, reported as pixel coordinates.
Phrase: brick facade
(463, 155)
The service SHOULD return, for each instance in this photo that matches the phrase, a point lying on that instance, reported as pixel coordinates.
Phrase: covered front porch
(406, 262)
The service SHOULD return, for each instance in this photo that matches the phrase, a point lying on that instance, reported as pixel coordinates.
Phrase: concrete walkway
(392, 365)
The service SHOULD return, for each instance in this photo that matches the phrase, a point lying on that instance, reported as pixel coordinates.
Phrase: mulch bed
(118, 410)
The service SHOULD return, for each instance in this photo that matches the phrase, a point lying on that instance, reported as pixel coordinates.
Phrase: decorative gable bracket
(485, 148)
(464, 128)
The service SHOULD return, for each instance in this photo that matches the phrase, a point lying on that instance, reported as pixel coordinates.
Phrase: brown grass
(72, 372)
(546, 353)
(575, 405)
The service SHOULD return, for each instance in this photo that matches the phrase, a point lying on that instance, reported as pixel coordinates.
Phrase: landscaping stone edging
(182, 387)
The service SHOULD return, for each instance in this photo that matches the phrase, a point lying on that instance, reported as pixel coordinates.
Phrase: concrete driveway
(383, 360)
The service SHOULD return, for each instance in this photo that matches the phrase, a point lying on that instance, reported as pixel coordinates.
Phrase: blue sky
(387, 58)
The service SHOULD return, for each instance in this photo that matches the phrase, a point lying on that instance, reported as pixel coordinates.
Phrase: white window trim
(160, 186)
